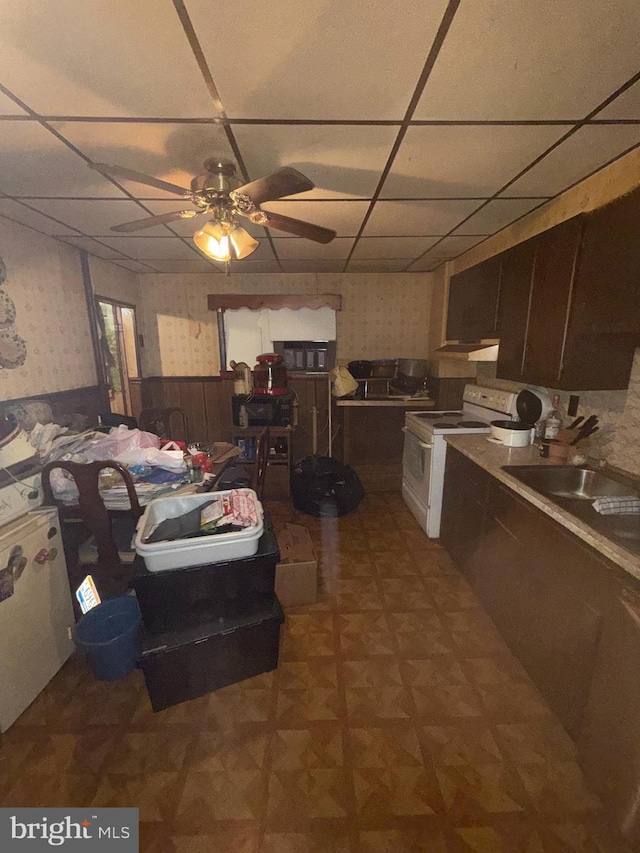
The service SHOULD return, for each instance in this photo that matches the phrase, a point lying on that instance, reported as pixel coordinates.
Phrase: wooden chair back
(259, 472)
(90, 507)
(158, 421)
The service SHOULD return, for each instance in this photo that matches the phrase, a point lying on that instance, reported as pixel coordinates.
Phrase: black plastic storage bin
(182, 665)
(182, 598)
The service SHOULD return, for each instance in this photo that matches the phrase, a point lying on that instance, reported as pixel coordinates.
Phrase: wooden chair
(158, 421)
(259, 473)
(99, 555)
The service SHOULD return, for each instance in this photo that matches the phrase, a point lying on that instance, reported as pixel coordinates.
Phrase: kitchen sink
(574, 488)
(569, 481)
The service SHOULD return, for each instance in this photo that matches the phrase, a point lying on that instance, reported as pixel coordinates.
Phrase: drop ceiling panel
(250, 266)
(316, 59)
(625, 106)
(317, 265)
(297, 247)
(34, 162)
(496, 215)
(184, 266)
(340, 160)
(101, 58)
(143, 248)
(9, 107)
(345, 217)
(91, 217)
(417, 217)
(532, 60)
(32, 218)
(448, 247)
(585, 151)
(453, 162)
(392, 247)
(171, 151)
(95, 247)
(378, 265)
(135, 266)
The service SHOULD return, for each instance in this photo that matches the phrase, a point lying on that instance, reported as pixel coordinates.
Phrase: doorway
(118, 337)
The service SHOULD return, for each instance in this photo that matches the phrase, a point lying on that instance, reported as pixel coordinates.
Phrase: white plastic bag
(172, 459)
(121, 440)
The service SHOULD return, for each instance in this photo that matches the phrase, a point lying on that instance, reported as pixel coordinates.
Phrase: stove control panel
(490, 398)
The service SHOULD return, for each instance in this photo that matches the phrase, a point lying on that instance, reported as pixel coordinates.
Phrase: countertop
(396, 402)
(492, 457)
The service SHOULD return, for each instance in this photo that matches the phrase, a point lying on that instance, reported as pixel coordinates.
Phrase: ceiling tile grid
(423, 132)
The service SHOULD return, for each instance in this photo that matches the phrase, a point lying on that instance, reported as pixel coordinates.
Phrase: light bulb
(213, 241)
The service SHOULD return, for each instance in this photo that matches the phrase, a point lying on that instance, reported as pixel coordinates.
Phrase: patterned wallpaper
(383, 315)
(113, 282)
(44, 279)
(624, 449)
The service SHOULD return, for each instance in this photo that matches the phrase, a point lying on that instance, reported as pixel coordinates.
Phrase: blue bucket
(110, 635)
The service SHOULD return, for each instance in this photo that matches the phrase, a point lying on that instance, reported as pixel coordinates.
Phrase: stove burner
(433, 416)
(450, 414)
(471, 424)
(445, 425)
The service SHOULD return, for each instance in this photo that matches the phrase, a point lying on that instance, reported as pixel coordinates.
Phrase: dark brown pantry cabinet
(473, 296)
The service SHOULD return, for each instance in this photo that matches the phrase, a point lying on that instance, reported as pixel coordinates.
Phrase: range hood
(479, 351)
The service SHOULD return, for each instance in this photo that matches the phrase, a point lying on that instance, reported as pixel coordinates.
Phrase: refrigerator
(36, 613)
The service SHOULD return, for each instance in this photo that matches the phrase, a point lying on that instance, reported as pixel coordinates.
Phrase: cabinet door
(609, 744)
(556, 253)
(463, 508)
(604, 326)
(473, 296)
(516, 277)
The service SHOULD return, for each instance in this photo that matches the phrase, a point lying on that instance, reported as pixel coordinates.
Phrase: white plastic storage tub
(198, 551)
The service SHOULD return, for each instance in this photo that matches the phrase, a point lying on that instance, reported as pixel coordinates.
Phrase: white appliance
(20, 491)
(36, 613)
(425, 448)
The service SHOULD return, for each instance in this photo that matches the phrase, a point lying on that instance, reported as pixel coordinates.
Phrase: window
(119, 352)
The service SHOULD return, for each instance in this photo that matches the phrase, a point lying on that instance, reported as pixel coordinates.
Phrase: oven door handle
(421, 443)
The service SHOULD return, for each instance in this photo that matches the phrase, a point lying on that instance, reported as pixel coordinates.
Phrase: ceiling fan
(216, 194)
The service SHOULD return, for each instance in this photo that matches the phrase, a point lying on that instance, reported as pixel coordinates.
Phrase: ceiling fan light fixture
(243, 243)
(213, 241)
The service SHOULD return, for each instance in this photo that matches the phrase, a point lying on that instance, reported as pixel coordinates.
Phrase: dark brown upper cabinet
(569, 302)
(556, 252)
(516, 276)
(473, 296)
(603, 328)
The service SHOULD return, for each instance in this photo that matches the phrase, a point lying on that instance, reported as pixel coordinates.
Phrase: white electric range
(425, 448)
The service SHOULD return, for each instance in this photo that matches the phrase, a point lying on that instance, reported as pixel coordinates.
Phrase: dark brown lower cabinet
(609, 743)
(545, 591)
(567, 616)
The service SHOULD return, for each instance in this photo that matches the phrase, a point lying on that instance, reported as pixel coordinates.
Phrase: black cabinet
(473, 297)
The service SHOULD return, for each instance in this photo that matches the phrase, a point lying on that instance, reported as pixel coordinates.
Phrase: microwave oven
(263, 409)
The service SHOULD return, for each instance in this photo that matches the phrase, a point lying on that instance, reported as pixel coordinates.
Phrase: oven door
(416, 467)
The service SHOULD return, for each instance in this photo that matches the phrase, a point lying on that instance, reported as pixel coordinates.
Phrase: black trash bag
(324, 487)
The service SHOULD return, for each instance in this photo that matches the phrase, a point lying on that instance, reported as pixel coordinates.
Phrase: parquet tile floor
(396, 721)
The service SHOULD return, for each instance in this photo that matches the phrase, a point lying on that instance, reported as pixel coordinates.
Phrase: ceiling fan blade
(121, 172)
(297, 226)
(286, 181)
(150, 221)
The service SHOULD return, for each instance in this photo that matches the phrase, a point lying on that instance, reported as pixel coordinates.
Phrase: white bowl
(517, 435)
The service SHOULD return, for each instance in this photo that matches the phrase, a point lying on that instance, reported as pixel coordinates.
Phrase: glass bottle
(554, 419)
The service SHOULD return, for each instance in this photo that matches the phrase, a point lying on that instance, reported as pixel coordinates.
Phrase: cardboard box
(297, 571)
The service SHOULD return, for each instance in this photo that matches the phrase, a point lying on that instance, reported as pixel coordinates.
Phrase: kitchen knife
(584, 434)
(576, 422)
(590, 422)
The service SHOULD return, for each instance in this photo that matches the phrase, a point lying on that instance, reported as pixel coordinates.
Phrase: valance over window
(273, 301)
